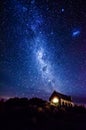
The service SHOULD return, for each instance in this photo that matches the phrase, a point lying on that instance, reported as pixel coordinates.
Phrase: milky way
(42, 48)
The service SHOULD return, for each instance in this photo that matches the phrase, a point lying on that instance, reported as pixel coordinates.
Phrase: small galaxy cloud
(76, 33)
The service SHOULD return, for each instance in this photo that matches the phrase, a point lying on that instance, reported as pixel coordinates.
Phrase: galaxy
(43, 48)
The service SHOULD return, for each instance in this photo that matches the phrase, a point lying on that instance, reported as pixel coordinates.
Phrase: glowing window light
(55, 100)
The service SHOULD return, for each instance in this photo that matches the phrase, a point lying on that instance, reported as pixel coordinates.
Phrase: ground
(37, 114)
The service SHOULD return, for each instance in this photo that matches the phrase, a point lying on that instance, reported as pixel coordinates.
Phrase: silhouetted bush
(37, 101)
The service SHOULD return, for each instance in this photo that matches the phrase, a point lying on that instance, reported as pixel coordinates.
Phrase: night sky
(43, 48)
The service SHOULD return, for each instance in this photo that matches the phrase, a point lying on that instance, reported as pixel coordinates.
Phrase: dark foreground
(36, 114)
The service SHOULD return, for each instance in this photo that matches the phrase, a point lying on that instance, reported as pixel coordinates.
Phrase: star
(62, 10)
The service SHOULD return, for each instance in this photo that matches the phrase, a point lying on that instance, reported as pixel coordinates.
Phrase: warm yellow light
(55, 100)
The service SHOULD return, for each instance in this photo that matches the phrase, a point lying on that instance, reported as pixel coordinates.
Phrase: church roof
(65, 97)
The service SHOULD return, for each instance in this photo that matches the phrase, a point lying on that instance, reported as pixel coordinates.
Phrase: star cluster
(43, 48)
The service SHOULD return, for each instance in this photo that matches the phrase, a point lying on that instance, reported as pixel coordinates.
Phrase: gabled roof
(65, 97)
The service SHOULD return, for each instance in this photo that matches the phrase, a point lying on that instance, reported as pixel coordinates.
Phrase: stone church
(59, 99)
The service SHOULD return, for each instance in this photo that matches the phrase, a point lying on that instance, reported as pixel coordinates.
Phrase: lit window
(55, 100)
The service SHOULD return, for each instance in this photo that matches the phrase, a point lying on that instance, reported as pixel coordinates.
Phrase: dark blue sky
(43, 48)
